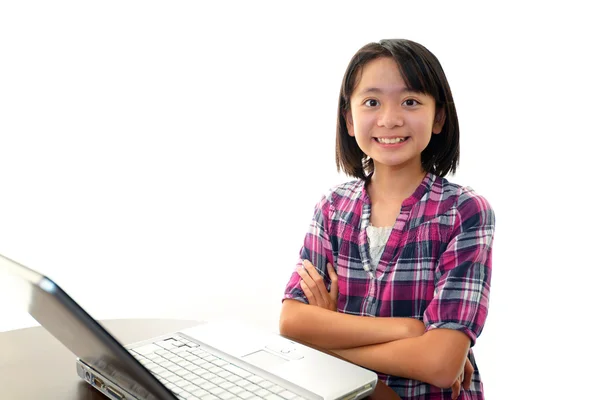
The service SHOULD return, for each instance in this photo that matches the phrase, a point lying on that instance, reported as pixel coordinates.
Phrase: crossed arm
(399, 346)
(437, 357)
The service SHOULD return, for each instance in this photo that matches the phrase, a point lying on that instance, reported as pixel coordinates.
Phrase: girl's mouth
(391, 140)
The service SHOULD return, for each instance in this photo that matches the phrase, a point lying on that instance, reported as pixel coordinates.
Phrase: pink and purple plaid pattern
(436, 266)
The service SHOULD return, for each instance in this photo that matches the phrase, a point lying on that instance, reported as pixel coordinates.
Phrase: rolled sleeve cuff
(295, 294)
(455, 326)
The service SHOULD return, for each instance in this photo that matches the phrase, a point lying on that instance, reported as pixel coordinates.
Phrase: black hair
(422, 72)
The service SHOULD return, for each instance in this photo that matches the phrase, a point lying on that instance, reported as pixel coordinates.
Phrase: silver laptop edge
(60, 315)
(105, 363)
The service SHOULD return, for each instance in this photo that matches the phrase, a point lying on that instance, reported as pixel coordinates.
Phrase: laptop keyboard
(191, 372)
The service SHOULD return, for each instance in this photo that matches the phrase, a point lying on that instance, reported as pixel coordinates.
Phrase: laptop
(214, 361)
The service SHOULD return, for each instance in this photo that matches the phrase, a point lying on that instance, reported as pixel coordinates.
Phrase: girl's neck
(389, 184)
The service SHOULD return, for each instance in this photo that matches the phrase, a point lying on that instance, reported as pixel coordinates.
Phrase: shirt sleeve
(316, 249)
(464, 271)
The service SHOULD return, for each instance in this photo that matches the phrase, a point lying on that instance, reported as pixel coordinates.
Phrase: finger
(309, 295)
(455, 389)
(318, 280)
(468, 375)
(334, 279)
(310, 283)
(333, 290)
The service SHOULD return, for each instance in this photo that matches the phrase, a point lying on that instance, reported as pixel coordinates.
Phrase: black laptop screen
(60, 315)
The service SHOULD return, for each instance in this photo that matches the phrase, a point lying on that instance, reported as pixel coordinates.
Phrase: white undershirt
(378, 237)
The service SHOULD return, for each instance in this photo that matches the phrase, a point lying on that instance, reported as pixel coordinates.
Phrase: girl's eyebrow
(377, 90)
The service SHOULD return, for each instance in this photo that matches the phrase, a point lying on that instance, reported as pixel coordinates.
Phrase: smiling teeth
(390, 141)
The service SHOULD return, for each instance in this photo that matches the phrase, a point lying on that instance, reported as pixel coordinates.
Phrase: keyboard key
(216, 390)
(165, 363)
(236, 390)
(193, 373)
(209, 376)
(276, 389)
(237, 370)
(199, 382)
(218, 381)
(215, 369)
(234, 378)
(178, 370)
(207, 386)
(189, 376)
(189, 342)
(261, 393)
(224, 374)
(255, 379)
(253, 388)
(243, 383)
(265, 384)
(286, 394)
(184, 363)
(200, 392)
(273, 396)
(156, 369)
(176, 380)
(146, 349)
(165, 344)
(175, 342)
(167, 374)
(190, 387)
(226, 385)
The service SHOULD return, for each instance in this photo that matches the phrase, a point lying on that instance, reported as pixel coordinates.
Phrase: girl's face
(391, 124)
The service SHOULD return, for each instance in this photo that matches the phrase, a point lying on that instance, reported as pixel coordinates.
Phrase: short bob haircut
(422, 73)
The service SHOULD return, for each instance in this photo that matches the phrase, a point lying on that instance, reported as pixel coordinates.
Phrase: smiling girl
(395, 270)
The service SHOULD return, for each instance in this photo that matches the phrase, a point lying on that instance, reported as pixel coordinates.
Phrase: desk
(35, 365)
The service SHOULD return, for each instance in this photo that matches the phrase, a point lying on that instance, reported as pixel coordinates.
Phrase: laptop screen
(79, 332)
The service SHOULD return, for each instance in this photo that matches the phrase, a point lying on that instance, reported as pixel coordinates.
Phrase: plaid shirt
(436, 266)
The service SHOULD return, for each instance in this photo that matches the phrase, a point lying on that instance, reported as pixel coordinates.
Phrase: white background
(162, 159)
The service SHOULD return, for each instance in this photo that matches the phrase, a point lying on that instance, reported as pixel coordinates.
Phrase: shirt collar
(423, 188)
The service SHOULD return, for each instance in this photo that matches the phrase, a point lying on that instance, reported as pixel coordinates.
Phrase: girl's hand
(463, 380)
(314, 288)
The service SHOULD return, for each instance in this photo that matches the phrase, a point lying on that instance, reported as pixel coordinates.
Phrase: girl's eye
(371, 103)
(411, 102)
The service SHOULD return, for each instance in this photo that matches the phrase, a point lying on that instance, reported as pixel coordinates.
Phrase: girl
(395, 270)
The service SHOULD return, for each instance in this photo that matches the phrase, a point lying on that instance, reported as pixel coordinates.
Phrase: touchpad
(264, 359)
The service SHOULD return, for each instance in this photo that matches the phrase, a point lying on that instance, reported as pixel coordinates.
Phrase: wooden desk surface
(35, 365)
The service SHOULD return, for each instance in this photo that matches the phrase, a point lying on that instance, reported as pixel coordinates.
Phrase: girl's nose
(390, 117)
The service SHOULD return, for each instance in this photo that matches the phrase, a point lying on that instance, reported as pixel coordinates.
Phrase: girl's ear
(349, 123)
(438, 122)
